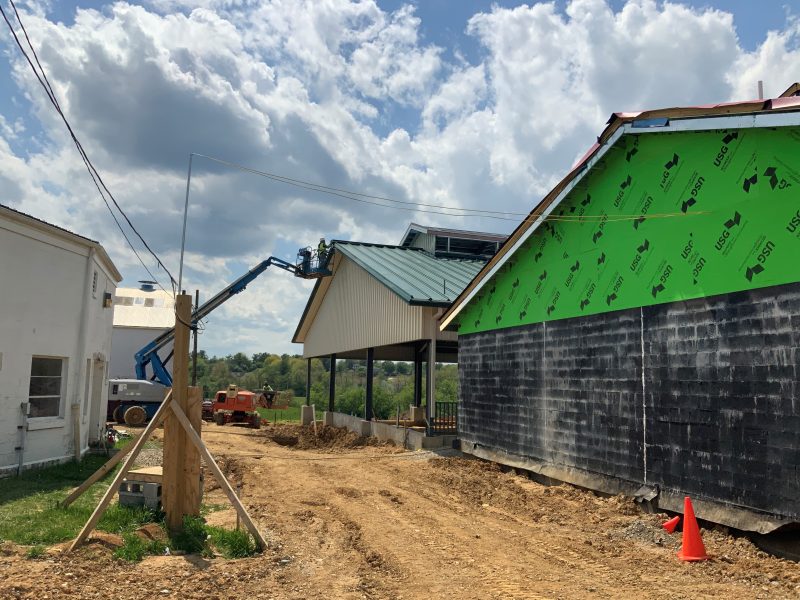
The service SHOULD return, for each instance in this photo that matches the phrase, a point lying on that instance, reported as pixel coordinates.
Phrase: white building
(140, 316)
(55, 341)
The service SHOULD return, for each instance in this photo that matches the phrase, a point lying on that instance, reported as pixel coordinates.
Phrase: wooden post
(219, 476)
(177, 461)
(112, 489)
(193, 494)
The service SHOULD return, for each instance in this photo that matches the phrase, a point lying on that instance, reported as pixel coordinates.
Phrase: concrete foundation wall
(695, 397)
(407, 438)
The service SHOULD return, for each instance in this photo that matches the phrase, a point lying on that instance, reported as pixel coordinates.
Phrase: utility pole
(194, 350)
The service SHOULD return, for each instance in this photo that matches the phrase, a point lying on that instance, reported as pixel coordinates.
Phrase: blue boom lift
(310, 265)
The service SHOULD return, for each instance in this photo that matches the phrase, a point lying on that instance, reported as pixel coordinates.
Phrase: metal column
(430, 406)
(370, 368)
(332, 388)
(417, 377)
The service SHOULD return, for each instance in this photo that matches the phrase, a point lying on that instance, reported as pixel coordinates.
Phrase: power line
(93, 173)
(350, 194)
(466, 212)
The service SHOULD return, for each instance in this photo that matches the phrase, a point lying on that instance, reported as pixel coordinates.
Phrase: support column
(332, 388)
(430, 410)
(370, 370)
(417, 377)
(308, 382)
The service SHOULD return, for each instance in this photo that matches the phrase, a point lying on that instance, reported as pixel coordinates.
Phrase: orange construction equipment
(670, 525)
(692, 548)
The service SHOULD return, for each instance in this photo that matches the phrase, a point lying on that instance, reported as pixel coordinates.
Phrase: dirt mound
(648, 532)
(231, 468)
(327, 439)
(484, 484)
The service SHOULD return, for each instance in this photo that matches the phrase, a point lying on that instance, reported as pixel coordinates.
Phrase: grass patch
(232, 543)
(198, 537)
(29, 511)
(193, 538)
(288, 415)
(30, 515)
(36, 551)
(135, 548)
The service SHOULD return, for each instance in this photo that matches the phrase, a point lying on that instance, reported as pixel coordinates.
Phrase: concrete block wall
(716, 414)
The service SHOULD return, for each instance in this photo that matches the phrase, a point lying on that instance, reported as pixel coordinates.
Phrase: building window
(94, 285)
(47, 387)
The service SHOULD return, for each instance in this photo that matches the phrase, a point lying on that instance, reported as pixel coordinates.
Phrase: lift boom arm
(149, 354)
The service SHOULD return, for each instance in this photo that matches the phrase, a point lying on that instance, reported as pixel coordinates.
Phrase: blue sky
(469, 104)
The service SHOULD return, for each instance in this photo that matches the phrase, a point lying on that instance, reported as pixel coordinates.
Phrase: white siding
(45, 285)
(358, 312)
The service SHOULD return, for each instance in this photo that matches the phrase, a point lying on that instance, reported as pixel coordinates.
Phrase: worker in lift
(322, 251)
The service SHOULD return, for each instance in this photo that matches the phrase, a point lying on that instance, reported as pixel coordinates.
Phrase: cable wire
(94, 174)
(465, 212)
(349, 194)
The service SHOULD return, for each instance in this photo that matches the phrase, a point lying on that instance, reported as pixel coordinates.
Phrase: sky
(462, 103)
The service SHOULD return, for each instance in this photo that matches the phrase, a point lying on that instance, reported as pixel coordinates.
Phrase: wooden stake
(219, 476)
(96, 476)
(101, 472)
(112, 489)
(314, 418)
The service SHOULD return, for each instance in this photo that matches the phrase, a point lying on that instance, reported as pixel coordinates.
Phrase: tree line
(393, 382)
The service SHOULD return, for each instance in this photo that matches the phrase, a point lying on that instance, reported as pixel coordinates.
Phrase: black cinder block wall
(698, 397)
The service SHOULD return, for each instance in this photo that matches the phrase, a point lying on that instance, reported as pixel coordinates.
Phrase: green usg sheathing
(666, 217)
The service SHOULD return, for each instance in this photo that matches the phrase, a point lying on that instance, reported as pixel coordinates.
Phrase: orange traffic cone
(692, 547)
(670, 525)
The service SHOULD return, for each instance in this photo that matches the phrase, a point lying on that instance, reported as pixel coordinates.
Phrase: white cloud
(303, 88)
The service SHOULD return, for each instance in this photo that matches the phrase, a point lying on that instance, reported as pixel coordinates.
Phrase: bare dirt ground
(347, 519)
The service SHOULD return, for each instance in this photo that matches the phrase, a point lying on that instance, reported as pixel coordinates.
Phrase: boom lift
(309, 265)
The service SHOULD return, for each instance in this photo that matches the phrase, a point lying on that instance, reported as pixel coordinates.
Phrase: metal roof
(789, 101)
(415, 275)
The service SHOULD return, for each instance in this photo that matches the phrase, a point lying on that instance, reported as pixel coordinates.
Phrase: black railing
(446, 419)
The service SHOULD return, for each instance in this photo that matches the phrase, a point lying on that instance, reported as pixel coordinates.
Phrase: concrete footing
(306, 415)
(417, 414)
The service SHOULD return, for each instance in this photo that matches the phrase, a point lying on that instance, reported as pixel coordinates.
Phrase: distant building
(452, 243)
(140, 315)
(55, 341)
(382, 302)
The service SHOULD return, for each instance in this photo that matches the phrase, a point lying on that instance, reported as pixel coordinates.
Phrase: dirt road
(377, 522)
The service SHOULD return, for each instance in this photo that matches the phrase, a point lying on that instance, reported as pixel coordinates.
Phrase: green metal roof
(415, 275)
